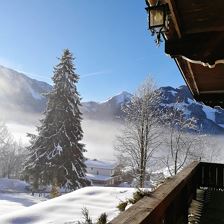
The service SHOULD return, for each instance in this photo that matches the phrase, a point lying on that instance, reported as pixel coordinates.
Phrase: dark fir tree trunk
(56, 152)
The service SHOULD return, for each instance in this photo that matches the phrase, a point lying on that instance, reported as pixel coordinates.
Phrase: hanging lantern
(157, 18)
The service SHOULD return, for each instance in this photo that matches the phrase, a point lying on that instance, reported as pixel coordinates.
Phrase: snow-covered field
(66, 209)
(14, 196)
(11, 202)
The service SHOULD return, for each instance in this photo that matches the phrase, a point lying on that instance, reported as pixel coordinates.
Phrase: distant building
(102, 173)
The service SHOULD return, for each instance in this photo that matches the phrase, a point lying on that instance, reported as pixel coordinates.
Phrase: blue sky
(114, 50)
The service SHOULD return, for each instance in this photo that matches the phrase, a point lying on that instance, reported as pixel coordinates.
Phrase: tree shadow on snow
(18, 198)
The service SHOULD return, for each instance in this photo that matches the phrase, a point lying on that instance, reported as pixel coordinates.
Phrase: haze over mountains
(21, 95)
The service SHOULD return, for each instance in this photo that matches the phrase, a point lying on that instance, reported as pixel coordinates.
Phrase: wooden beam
(211, 99)
(212, 92)
(186, 72)
(175, 17)
(184, 77)
(192, 76)
(204, 47)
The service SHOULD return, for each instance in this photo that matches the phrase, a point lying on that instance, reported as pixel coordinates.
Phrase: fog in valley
(19, 123)
(98, 136)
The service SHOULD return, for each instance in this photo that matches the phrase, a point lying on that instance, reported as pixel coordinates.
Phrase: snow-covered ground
(67, 209)
(14, 196)
(11, 202)
(17, 206)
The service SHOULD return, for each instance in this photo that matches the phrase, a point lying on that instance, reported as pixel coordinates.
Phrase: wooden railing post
(177, 212)
(170, 216)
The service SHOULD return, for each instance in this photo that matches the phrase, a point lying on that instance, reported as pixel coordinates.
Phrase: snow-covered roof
(98, 177)
(110, 165)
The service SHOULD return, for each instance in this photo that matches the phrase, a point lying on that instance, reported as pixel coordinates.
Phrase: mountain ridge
(19, 92)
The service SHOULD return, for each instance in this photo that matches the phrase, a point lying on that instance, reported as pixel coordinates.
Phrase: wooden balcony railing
(211, 175)
(169, 203)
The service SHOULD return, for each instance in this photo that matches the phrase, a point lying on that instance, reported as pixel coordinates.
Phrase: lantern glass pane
(156, 18)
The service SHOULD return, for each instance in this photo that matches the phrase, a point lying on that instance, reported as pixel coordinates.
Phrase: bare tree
(182, 139)
(21, 153)
(5, 154)
(11, 154)
(140, 136)
(212, 149)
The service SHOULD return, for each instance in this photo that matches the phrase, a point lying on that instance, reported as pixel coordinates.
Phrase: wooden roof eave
(196, 47)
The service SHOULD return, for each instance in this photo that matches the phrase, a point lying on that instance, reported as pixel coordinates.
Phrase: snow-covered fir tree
(56, 154)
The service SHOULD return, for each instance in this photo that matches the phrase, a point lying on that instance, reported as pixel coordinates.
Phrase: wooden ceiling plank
(200, 29)
(201, 15)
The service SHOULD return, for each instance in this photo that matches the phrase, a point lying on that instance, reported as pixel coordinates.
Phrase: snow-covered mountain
(209, 120)
(110, 109)
(19, 92)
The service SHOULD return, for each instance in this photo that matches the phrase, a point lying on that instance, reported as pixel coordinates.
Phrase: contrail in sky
(95, 74)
